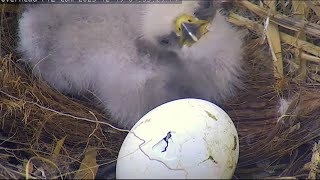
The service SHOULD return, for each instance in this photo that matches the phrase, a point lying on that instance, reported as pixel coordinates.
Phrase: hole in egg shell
(163, 145)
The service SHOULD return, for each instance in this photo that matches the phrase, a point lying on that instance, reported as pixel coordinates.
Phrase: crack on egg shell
(230, 162)
(143, 122)
(209, 151)
(211, 116)
(212, 159)
(209, 158)
(234, 143)
(151, 159)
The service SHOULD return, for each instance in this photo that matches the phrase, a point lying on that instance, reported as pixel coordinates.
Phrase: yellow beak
(190, 29)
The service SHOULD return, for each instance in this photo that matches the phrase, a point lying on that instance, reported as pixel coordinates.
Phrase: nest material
(35, 118)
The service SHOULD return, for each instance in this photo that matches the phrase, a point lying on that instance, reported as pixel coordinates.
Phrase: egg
(182, 139)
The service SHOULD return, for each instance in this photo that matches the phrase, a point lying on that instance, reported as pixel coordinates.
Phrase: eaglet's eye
(164, 41)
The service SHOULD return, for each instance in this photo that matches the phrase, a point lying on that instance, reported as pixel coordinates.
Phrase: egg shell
(183, 139)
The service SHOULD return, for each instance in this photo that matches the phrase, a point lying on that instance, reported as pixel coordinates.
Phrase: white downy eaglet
(131, 56)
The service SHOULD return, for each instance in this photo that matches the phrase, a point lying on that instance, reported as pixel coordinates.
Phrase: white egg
(184, 139)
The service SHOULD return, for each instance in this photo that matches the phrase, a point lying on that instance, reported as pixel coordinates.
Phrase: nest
(47, 134)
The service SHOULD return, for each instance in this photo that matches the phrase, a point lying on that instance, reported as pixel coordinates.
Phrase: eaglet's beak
(190, 29)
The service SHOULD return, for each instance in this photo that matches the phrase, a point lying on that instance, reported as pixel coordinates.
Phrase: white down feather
(76, 48)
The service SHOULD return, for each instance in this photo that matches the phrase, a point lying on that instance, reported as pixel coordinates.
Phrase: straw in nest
(45, 131)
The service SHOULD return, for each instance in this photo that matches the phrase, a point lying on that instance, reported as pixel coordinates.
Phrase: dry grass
(281, 61)
(35, 117)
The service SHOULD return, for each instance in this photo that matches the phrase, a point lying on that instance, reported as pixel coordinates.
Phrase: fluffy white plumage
(114, 51)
